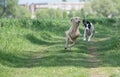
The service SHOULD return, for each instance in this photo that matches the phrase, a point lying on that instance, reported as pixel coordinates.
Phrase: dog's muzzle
(78, 22)
(87, 29)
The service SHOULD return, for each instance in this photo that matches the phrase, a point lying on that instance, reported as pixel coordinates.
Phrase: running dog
(88, 30)
(73, 33)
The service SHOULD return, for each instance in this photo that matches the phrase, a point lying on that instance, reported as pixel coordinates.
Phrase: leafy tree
(2, 7)
(87, 11)
(105, 8)
(117, 5)
(12, 8)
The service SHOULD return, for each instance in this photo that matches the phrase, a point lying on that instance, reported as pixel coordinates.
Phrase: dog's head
(87, 25)
(75, 20)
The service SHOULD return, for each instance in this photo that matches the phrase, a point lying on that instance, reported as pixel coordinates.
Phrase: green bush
(103, 20)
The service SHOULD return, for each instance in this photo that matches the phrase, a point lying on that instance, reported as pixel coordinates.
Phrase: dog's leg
(66, 45)
(90, 36)
(72, 44)
(68, 38)
(84, 35)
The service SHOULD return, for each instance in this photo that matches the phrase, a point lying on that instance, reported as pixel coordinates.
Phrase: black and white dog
(88, 30)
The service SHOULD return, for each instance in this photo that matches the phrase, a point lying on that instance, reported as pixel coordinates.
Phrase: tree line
(92, 8)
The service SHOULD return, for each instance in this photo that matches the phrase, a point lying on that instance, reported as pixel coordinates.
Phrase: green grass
(36, 49)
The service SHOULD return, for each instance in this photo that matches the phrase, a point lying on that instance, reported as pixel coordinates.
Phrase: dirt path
(95, 62)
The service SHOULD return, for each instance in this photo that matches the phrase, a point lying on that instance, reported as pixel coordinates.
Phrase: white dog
(89, 30)
(73, 33)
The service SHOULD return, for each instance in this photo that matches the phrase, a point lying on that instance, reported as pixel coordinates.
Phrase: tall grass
(15, 32)
(34, 45)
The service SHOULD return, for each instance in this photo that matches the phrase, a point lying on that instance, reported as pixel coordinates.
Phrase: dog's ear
(71, 19)
(83, 20)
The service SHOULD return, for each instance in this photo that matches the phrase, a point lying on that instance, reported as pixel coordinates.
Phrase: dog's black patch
(85, 22)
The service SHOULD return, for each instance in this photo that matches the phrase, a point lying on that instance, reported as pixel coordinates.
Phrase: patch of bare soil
(95, 62)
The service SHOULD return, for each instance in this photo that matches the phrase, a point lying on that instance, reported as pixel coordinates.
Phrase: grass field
(36, 49)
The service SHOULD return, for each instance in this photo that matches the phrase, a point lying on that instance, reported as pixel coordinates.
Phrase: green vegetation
(11, 9)
(34, 48)
(102, 8)
(92, 9)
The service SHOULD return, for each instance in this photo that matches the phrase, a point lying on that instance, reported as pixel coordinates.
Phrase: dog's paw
(84, 39)
(65, 47)
(88, 39)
